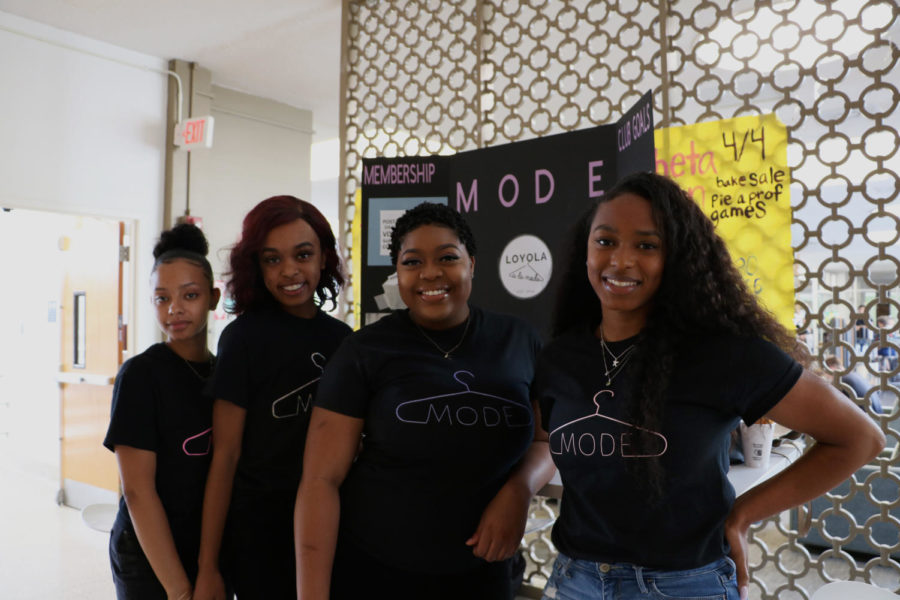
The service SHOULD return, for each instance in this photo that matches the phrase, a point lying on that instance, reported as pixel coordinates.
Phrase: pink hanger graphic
(600, 442)
(207, 434)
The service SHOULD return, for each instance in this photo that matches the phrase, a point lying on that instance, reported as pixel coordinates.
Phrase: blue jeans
(573, 579)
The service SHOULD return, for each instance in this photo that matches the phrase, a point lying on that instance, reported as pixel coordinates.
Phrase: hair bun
(182, 237)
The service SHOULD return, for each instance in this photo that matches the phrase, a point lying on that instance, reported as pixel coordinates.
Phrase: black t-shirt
(158, 405)
(605, 516)
(441, 434)
(270, 363)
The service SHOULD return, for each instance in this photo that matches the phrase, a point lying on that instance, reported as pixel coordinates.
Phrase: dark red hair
(245, 285)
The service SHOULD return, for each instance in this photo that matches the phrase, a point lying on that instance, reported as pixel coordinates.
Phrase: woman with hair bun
(283, 268)
(160, 429)
(661, 350)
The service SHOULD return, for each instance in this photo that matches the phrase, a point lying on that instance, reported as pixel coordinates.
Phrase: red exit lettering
(193, 132)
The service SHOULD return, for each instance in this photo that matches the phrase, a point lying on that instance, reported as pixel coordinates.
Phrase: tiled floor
(46, 551)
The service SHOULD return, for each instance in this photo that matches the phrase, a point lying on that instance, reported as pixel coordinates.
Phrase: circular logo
(525, 266)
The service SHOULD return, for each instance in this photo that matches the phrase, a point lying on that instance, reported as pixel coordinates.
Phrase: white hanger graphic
(507, 411)
(600, 442)
(295, 395)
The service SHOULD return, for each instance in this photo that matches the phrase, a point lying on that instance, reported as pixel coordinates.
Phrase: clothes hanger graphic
(289, 405)
(604, 443)
(206, 435)
(436, 409)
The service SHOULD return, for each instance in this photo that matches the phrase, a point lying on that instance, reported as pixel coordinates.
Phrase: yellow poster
(736, 170)
(356, 258)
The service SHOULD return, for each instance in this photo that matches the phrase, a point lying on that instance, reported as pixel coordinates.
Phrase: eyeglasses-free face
(291, 261)
(182, 298)
(625, 259)
(434, 274)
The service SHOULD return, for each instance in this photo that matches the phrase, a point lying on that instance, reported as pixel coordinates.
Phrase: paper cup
(392, 293)
(757, 442)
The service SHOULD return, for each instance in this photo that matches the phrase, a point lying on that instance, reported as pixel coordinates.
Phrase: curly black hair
(184, 241)
(701, 291)
(429, 213)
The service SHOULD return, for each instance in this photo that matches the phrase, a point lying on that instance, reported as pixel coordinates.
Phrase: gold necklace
(446, 353)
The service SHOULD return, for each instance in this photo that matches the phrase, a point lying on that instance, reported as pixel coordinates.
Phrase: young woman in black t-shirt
(283, 268)
(436, 499)
(160, 429)
(660, 351)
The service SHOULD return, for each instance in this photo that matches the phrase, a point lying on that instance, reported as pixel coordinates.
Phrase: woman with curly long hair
(283, 268)
(660, 351)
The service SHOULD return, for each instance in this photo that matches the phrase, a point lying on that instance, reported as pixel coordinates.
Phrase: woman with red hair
(283, 268)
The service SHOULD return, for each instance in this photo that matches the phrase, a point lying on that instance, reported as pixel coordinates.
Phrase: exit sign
(194, 133)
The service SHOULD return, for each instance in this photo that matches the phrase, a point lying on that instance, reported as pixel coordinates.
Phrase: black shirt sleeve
(133, 416)
(343, 388)
(231, 378)
(771, 374)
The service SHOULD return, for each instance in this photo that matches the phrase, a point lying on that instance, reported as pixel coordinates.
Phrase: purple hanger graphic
(294, 402)
(466, 408)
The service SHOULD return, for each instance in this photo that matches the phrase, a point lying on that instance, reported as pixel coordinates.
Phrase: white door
(90, 355)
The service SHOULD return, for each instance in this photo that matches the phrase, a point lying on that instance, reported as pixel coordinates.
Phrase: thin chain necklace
(191, 367)
(618, 362)
(446, 353)
(615, 359)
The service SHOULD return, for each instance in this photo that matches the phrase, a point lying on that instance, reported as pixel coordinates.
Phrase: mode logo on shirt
(597, 434)
(466, 408)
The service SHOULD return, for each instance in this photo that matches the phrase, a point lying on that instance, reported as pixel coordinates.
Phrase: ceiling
(284, 50)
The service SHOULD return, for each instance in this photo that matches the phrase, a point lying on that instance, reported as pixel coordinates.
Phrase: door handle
(87, 378)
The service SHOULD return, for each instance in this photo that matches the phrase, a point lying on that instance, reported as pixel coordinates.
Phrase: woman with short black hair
(436, 501)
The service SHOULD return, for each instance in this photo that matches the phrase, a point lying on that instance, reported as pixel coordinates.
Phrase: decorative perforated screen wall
(429, 76)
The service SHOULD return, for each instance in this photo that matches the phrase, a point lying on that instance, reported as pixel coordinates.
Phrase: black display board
(520, 199)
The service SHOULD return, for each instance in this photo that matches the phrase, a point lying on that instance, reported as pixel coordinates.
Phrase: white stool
(852, 590)
(99, 516)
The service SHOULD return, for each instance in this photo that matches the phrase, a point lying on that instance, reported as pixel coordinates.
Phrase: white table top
(743, 477)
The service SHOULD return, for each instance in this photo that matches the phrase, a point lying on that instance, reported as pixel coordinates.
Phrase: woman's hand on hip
(736, 535)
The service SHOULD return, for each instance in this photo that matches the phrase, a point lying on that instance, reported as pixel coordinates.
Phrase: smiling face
(291, 261)
(434, 274)
(625, 261)
(182, 298)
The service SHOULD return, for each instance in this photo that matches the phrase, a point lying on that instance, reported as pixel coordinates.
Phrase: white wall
(324, 173)
(260, 149)
(325, 193)
(83, 134)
